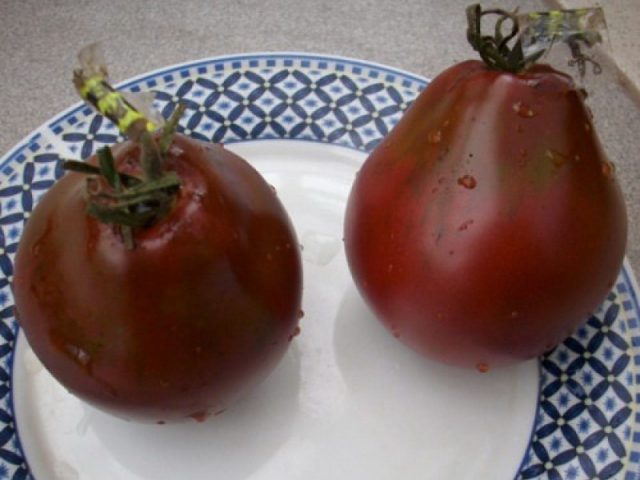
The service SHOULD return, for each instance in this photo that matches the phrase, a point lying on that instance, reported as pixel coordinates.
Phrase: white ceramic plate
(348, 401)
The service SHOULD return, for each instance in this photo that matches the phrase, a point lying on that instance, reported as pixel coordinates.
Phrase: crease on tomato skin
(246, 303)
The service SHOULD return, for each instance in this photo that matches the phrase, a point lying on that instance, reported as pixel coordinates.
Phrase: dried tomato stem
(496, 50)
(125, 201)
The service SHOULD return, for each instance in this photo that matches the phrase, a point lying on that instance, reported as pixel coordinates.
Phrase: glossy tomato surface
(489, 223)
(202, 308)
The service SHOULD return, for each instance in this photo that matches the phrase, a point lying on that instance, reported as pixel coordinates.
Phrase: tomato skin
(488, 224)
(201, 309)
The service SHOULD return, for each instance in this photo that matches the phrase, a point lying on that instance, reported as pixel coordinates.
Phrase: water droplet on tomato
(557, 158)
(515, 314)
(523, 110)
(175, 151)
(464, 225)
(576, 158)
(295, 333)
(435, 136)
(467, 181)
(198, 196)
(200, 416)
(482, 367)
(390, 268)
(608, 169)
(80, 356)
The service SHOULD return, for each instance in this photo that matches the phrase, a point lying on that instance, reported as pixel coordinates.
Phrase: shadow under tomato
(230, 446)
(446, 422)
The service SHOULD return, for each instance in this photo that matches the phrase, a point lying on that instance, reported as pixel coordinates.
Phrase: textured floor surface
(39, 40)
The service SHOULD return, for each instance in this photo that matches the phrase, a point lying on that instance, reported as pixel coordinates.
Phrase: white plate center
(348, 402)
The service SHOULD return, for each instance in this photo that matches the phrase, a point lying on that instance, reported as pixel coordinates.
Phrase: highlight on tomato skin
(489, 223)
(198, 312)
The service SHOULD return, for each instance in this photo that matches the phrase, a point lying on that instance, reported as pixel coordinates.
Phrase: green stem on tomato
(123, 200)
(495, 50)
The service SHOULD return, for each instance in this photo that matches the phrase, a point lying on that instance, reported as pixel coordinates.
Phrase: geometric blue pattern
(318, 103)
(586, 423)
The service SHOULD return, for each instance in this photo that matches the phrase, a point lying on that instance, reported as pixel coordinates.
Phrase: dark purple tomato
(202, 308)
(489, 223)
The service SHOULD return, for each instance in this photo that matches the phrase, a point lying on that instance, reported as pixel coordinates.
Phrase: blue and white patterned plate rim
(538, 462)
(46, 125)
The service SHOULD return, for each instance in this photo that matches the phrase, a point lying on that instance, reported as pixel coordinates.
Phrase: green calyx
(128, 201)
(499, 51)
